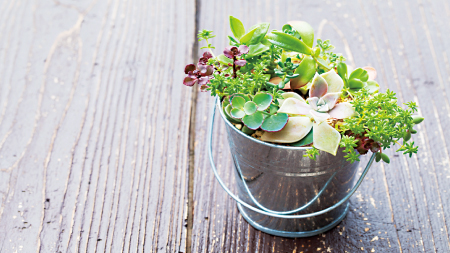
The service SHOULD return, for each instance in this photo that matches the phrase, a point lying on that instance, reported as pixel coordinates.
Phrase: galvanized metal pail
(283, 193)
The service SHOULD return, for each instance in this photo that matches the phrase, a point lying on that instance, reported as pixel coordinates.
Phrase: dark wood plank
(93, 131)
(400, 206)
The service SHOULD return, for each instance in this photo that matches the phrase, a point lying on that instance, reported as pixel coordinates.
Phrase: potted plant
(298, 118)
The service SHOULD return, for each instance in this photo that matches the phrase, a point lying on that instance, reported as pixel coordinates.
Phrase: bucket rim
(251, 138)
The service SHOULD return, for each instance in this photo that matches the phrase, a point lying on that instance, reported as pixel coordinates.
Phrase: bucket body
(281, 179)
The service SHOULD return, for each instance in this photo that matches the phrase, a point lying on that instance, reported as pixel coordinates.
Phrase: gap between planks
(191, 140)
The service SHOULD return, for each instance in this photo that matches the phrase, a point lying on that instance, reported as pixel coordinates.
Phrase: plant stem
(207, 43)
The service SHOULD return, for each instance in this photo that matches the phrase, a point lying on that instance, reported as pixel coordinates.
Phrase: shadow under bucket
(283, 193)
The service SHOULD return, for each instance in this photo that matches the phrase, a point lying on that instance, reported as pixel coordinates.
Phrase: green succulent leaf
(236, 27)
(378, 157)
(263, 101)
(224, 60)
(227, 112)
(407, 136)
(253, 121)
(342, 70)
(250, 107)
(308, 139)
(323, 63)
(238, 102)
(417, 119)
(275, 123)
(306, 70)
(244, 96)
(355, 84)
(372, 87)
(305, 30)
(356, 73)
(385, 158)
(364, 76)
(288, 42)
(248, 36)
(257, 49)
(237, 113)
(260, 32)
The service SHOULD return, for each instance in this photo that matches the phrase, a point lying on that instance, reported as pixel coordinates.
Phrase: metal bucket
(282, 193)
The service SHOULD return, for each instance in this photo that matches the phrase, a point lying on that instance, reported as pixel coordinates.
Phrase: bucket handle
(271, 213)
(281, 212)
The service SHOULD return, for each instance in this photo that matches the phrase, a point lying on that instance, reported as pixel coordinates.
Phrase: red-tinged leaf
(188, 81)
(275, 123)
(189, 68)
(253, 121)
(263, 101)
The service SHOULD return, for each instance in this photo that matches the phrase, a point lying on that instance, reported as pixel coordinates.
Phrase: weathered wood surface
(103, 149)
(94, 131)
(400, 207)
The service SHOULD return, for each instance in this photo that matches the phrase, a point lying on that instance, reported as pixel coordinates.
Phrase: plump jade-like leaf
(326, 138)
(257, 49)
(372, 72)
(372, 86)
(342, 110)
(260, 32)
(250, 107)
(417, 119)
(224, 60)
(262, 100)
(356, 73)
(275, 123)
(287, 95)
(342, 70)
(305, 30)
(248, 36)
(237, 113)
(308, 139)
(385, 157)
(238, 102)
(227, 111)
(253, 121)
(295, 129)
(306, 70)
(236, 27)
(294, 106)
(319, 87)
(288, 42)
(364, 76)
(334, 81)
(355, 83)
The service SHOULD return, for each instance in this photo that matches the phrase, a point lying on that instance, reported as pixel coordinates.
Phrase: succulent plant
(252, 112)
(299, 93)
(321, 105)
(358, 79)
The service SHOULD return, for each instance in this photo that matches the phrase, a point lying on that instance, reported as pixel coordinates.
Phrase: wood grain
(400, 207)
(100, 143)
(94, 131)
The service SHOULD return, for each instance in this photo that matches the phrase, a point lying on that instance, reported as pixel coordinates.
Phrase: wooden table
(103, 149)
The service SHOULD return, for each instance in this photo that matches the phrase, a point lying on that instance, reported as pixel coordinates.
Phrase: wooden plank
(400, 206)
(93, 135)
